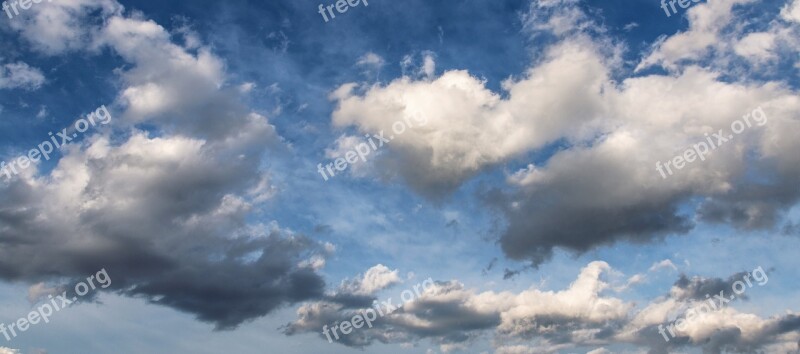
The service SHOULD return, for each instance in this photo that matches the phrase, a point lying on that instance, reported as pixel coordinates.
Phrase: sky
(474, 176)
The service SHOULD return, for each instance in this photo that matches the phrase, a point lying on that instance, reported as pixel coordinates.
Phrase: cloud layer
(584, 315)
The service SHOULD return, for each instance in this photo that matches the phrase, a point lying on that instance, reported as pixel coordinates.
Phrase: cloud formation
(163, 209)
(544, 321)
(601, 127)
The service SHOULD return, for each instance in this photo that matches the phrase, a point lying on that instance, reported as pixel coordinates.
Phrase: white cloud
(428, 68)
(791, 11)
(599, 351)
(706, 21)
(42, 112)
(61, 26)
(663, 264)
(558, 17)
(374, 279)
(20, 75)
(166, 83)
(372, 60)
(757, 46)
(469, 127)
(247, 87)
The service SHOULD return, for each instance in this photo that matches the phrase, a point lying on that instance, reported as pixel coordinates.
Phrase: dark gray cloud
(755, 205)
(434, 182)
(229, 291)
(168, 227)
(446, 321)
(590, 201)
(540, 221)
(224, 281)
(698, 288)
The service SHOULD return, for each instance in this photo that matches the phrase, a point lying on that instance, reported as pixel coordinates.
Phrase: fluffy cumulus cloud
(545, 321)
(163, 210)
(467, 127)
(603, 132)
(697, 313)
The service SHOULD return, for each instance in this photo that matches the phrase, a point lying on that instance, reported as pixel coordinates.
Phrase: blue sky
(527, 188)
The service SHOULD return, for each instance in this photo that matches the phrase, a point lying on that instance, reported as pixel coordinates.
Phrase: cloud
(37, 292)
(428, 68)
(599, 351)
(706, 23)
(371, 60)
(757, 46)
(468, 125)
(663, 264)
(791, 11)
(347, 143)
(556, 17)
(450, 314)
(544, 321)
(608, 183)
(599, 130)
(20, 75)
(697, 288)
(723, 32)
(179, 91)
(62, 27)
(165, 211)
(166, 218)
(375, 279)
